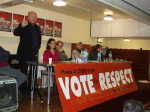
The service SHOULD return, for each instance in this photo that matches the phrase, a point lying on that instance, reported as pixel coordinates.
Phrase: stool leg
(28, 86)
(49, 70)
(36, 84)
(32, 82)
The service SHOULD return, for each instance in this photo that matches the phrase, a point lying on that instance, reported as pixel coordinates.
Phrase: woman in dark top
(59, 48)
(94, 54)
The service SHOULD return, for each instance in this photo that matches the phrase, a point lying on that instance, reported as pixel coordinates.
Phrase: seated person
(79, 46)
(76, 56)
(94, 54)
(84, 55)
(59, 48)
(51, 52)
(133, 106)
(5, 69)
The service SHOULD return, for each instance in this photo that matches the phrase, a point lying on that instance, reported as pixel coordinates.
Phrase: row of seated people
(55, 51)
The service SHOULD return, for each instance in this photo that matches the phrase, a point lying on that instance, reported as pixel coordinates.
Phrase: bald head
(32, 16)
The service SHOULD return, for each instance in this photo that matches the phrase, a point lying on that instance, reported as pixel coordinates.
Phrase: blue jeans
(8, 71)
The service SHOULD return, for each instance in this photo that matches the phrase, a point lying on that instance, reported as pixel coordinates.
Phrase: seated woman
(51, 52)
(59, 48)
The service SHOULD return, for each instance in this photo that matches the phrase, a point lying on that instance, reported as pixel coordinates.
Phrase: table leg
(33, 82)
(49, 70)
(28, 73)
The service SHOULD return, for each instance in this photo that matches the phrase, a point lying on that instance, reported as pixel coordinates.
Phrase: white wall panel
(120, 28)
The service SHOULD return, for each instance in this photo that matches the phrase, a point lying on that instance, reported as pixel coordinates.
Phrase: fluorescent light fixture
(108, 18)
(59, 3)
(126, 40)
(31, 1)
(108, 12)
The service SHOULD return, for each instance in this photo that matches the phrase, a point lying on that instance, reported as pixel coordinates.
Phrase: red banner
(81, 86)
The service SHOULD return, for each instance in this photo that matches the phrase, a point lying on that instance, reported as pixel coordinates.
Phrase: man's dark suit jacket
(30, 41)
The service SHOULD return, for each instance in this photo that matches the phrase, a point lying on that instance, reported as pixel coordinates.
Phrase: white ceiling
(141, 4)
(137, 9)
(94, 9)
(85, 9)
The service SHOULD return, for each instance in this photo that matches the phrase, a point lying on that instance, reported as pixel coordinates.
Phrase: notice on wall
(48, 30)
(5, 21)
(81, 86)
(57, 29)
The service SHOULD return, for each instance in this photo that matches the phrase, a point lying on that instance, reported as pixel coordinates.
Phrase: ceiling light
(108, 18)
(31, 1)
(126, 40)
(59, 3)
(108, 12)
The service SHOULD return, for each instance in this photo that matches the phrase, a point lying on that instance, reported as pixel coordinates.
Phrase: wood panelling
(139, 59)
(87, 46)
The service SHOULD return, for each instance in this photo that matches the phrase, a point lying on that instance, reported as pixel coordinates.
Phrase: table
(32, 70)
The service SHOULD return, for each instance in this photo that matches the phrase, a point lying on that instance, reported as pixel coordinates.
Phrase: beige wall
(74, 29)
(120, 28)
(133, 44)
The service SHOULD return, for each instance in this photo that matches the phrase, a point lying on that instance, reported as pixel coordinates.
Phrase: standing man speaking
(30, 40)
